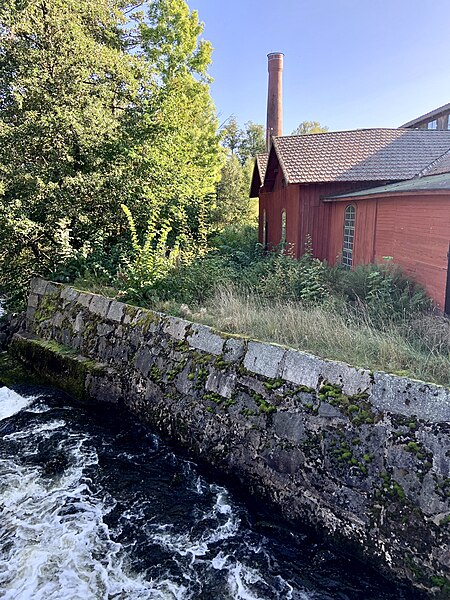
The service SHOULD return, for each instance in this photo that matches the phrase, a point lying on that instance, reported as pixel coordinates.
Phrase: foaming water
(95, 506)
(12, 403)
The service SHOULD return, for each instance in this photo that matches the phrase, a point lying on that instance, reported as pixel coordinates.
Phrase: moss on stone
(56, 364)
(14, 372)
(264, 406)
(355, 407)
(273, 384)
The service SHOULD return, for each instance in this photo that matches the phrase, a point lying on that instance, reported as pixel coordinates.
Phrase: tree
(231, 135)
(233, 205)
(307, 127)
(253, 142)
(97, 109)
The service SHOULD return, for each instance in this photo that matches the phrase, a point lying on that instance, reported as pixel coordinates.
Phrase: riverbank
(361, 455)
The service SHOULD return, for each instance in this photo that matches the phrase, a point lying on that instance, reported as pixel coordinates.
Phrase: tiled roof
(261, 161)
(440, 166)
(359, 155)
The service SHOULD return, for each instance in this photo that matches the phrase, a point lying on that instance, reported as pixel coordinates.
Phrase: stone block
(203, 338)
(84, 298)
(221, 383)
(78, 325)
(302, 369)
(264, 359)
(438, 443)
(104, 329)
(176, 328)
(234, 349)
(330, 412)
(143, 360)
(58, 319)
(402, 396)
(38, 286)
(130, 313)
(289, 426)
(308, 370)
(30, 318)
(99, 305)
(182, 384)
(353, 380)
(69, 295)
(53, 289)
(116, 311)
(33, 300)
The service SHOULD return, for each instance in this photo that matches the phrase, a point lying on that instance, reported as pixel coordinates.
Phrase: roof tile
(359, 155)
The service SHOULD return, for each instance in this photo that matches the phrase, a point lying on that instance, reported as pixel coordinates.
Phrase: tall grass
(419, 348)
(372, 316)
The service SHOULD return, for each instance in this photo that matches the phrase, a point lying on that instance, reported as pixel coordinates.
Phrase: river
(93, 505)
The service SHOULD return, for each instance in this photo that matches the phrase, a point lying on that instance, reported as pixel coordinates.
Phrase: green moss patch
(58, 365)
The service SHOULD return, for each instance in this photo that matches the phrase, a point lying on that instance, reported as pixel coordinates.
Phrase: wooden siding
(364, 242)
(415, 231)
(318, 220)
(282, 197)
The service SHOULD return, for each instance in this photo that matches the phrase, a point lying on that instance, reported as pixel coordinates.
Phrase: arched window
(349, 236)
(264, 229)
(283, 226)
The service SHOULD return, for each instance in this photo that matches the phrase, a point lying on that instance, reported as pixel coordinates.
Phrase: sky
(348, 63)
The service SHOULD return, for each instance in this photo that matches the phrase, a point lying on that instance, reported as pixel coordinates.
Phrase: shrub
(381, 290)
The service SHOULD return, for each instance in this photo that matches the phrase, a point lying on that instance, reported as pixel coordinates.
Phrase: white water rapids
(56, 545)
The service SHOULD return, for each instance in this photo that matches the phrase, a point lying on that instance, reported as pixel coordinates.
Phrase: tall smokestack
(275, 96)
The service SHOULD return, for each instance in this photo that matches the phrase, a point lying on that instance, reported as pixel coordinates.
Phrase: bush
(382, 291)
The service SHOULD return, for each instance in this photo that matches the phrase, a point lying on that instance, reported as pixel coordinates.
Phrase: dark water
(94, 505)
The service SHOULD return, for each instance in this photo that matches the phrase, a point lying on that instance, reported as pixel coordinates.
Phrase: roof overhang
(433, 185)
(256, 181)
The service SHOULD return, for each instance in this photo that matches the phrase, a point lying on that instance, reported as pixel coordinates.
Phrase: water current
(93, 505)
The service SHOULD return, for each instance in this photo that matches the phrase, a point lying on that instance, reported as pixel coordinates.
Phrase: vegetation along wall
(363, 456)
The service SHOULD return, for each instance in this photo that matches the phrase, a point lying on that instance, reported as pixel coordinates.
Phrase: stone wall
(360, 455)
(9, 325)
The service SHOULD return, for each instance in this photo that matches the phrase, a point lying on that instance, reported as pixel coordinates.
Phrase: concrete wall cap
(264, 359)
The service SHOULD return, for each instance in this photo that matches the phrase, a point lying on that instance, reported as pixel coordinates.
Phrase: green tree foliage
(253, 142)
(231, 135)
(306, 127)
(246, 143)
(233, 205)
(99, 109)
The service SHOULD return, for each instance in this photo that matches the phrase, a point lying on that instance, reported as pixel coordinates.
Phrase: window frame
(264, 229)
(348, 238)
(283, 239)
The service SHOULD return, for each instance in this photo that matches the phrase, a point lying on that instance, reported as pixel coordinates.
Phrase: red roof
(358, 155)
(384, 155)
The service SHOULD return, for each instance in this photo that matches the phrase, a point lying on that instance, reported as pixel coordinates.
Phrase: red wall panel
(415, 231)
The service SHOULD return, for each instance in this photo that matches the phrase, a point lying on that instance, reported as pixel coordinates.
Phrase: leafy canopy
(307, 127)
(101, 103)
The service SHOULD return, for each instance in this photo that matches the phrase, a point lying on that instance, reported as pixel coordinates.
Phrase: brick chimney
(274, 98)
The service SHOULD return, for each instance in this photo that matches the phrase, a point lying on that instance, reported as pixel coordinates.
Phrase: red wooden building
(360, 196)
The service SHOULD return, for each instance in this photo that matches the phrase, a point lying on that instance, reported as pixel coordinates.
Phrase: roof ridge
(292, 135)
(432, 164)
(400, 129)
(280, 160)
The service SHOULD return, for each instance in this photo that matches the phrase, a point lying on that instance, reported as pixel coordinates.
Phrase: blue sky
(348, 63)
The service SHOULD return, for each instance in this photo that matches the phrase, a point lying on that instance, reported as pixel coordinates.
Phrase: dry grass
(419, 349)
